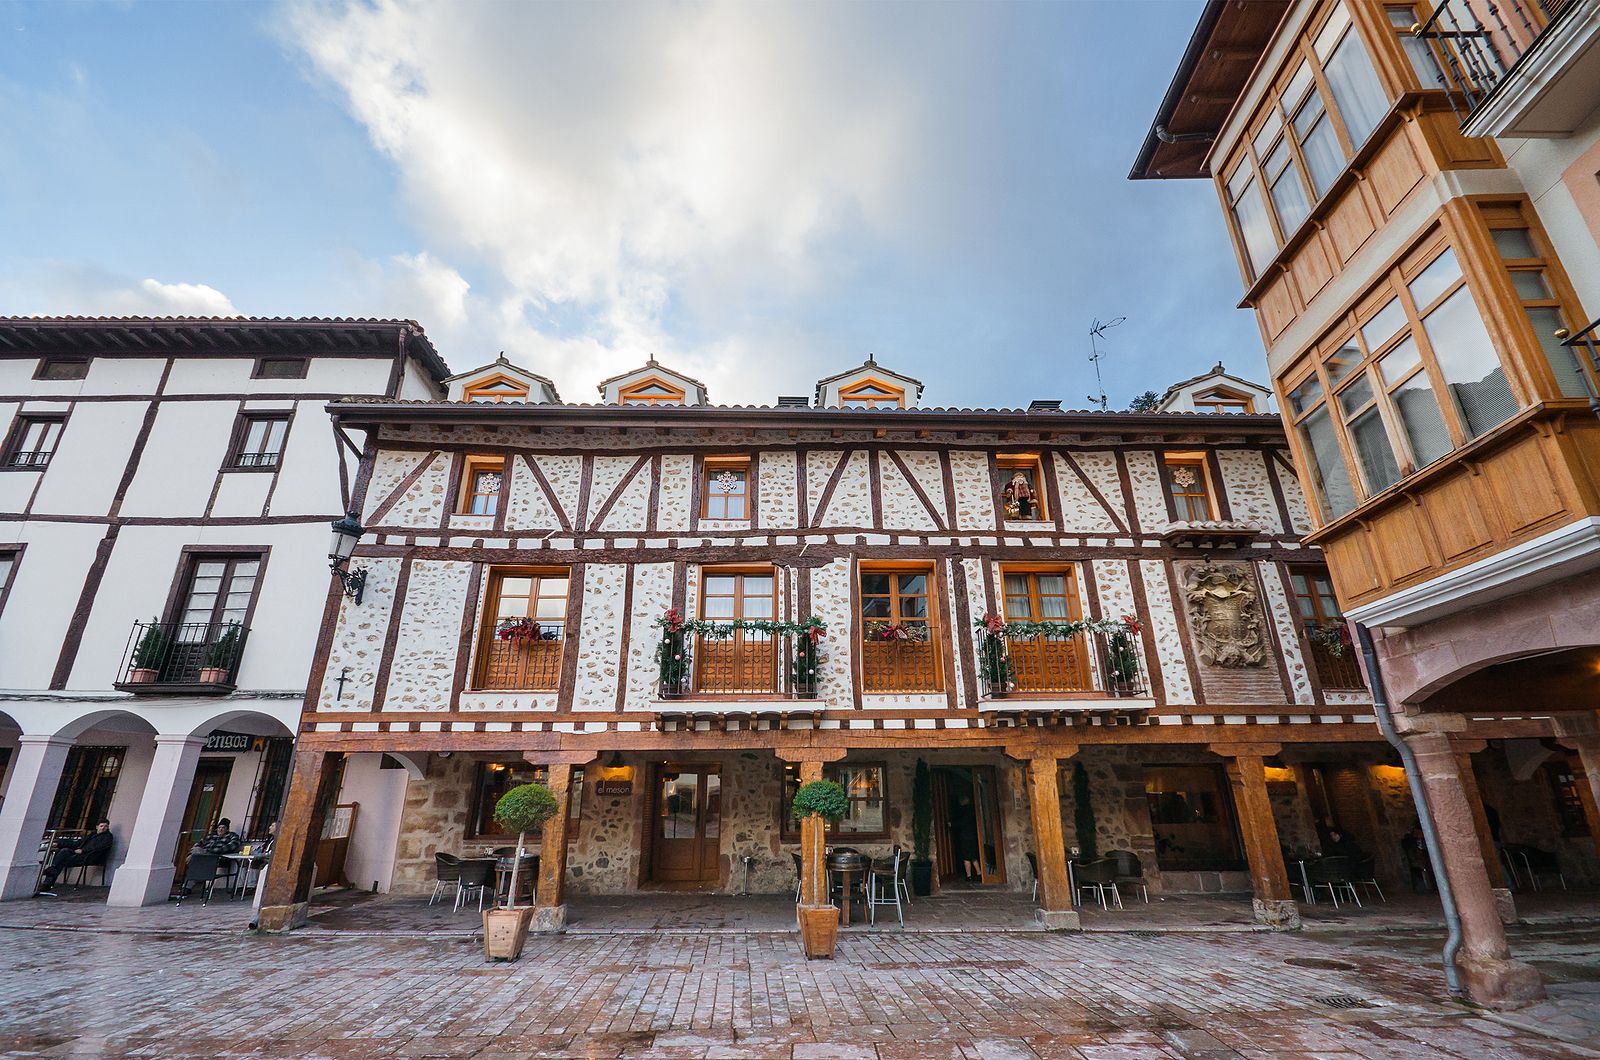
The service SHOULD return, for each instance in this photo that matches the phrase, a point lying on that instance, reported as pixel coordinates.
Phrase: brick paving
(730, 993)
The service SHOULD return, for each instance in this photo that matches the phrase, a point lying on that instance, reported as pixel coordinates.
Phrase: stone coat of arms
(1225, 616)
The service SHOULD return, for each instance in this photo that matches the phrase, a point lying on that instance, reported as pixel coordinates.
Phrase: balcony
(1516, 67)
(1058, 666)
(165, 658)
(722, 662)
(523, 656)
(1333, 657)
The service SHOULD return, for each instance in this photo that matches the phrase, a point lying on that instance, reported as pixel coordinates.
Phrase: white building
(166, 487)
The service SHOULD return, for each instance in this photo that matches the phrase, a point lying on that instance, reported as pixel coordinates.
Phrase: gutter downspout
(1182, 138)
(1430, 834)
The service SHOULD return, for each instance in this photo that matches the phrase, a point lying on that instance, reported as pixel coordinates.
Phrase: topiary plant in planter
(523, 809)
(817, 805)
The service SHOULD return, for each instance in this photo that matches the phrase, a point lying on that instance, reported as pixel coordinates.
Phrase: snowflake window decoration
(727, 482)
(1184, 477)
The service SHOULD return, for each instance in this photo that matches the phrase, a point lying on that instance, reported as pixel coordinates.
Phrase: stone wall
(434, 820)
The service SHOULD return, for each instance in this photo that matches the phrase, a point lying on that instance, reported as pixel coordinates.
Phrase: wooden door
(991, 842)
(686, 824)
(205, 806)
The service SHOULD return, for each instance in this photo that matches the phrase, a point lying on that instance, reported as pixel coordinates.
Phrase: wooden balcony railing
(739, 663)
(1048, 663)
(522, 656)
(167, 658)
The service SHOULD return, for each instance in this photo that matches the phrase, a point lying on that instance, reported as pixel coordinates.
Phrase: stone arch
(75, 728)
(1517, 680)
(230, 717)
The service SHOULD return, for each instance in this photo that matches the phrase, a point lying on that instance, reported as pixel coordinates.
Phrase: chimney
(1045, 405)
(794, 402)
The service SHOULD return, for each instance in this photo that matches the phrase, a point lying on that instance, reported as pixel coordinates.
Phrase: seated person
(1341, 845)
(264, 844)
(222, 840)
(92, 849)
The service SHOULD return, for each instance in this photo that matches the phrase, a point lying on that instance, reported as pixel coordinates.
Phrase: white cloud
(73, 288)
(621, 176)
(154, 298)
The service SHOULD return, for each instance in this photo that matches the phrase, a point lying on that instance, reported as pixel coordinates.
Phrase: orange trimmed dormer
(500, 382)
(653, 384)
(870, 386)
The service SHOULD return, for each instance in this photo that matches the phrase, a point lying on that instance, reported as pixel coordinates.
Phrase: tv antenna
(1097, 331)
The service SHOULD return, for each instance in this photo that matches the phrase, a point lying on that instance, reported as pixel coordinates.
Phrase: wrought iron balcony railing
(1588, 342)
(1474, 44)
(522, 656)
(741, 663)
(1044, 664)
(25, 459)
(171, 657)
(1334, 656)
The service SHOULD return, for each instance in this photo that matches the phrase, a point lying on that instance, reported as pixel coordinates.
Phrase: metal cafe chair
(447, 874)
(1335, 874)
(887, 873)
(1033, 867)
(476, 874)
(1130, 872)
(799, 874)
(202, 869)
(1100, 877)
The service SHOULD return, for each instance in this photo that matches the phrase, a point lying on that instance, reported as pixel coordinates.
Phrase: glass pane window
(1186, 484)
(1564, 363)
(1435, 280)
(484, 493)
(1320, 144)
(261, 441)
(1305, 395)
(521, 646)
(1357, 93)
(1378, 468)
(1402, 18)
(727, 491)
(1530, 284)
(1418, 409)
(1020, 494)
(864, 788)
(1329, 473)
(1514, 244)
(1469, 364)
(1255, 228)
(1288, 193)
(1385, 325)
(899, 641)
(34, 440)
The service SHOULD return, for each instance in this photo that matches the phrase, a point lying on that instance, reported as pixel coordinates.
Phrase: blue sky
(761, 195)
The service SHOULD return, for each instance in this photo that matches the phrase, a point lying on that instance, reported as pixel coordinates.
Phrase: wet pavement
(76, 979)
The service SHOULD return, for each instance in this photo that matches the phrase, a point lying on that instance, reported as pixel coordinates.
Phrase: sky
(756, 195)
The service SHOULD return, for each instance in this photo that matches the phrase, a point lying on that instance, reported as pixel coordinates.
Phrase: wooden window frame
(190, 558)
(241, 434)
(42, 369)
(633, 393)
(1224, 398)
(1208, 489)
(480, 389)
(787, 833)
(19, 426)
(738, 572)
(935, 619)
(894, 396)
(490, 619)
(1074, 598)
(260, 369)
(1007, 463)
(471, 468)
(715, 465)
(13, 553)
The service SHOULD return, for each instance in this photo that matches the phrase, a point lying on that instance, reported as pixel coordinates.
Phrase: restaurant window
(34, 439)
(1528, 259)
(1045, 663)
(494, 390)
(745, 660)
(871, 394)
(258, 441)
(865, 786)
(1188, 484)
(1021, 486)
(725, 488)
(494, 779)
(62, 368)
(88, 781)
(1332, 652)
(524, 627)
(650, 391)
(1191, 816)
(481, 485)
(1568, 799)
(899, 630)
(281, 368)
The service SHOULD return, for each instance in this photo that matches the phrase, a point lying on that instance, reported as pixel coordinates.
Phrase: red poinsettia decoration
(520, 631)
(994, 623)
(672, 621)
(1133, 624)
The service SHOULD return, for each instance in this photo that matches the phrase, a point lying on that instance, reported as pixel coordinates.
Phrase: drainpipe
(1430, 834)
(1182, 138)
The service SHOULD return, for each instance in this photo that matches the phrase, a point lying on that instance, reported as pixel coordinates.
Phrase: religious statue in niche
(1224, 614)
(1017, 497)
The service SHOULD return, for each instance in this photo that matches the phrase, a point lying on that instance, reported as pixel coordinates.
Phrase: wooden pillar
(1056, 911)
(1488, 849)
(289, 877)
(1247, 774)
(813, 842)
(1488, 973)
(1584, 759)
(550, 897)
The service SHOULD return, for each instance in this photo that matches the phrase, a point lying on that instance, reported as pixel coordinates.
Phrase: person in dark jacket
(92, 849)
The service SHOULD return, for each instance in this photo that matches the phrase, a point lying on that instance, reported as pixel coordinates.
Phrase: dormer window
(871, 394)
(494, 390)
(650, 391)
(1223, 399)
(1021, 476)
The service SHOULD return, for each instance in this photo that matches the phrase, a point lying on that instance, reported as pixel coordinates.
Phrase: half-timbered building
(673, 612)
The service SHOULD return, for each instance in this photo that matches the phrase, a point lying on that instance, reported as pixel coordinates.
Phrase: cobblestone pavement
(749, 994)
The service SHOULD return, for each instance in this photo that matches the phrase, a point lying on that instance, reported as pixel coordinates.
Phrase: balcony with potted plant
(1078, 665)
(730, 666)
(178, 658)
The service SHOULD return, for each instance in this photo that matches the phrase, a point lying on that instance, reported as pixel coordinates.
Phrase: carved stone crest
(1225, 616)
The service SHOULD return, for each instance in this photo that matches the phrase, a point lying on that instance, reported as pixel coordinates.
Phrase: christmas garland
(1024, 629)
(673, 622)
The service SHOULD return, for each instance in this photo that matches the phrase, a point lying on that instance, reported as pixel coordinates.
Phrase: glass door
(687, 824)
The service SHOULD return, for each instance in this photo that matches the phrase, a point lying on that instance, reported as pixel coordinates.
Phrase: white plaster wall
(187, 444)
(776, 477)
(241, 494)
(851, 503)
(652, 595)
(830, 601)
(324, 375)
(308, 475)
(1291, 658)
(1171, 644)
(677, 484)
(1249, 491)
(358, 640)
(389, 469)
(1149, 498)
(599, 649)
(381, 794)
(1080, 512)
(969, 477)
(430, 628)
(1100, 468)
(82, 476)
(565, 476)
(37, 612)
(423, 503)
(902, 508)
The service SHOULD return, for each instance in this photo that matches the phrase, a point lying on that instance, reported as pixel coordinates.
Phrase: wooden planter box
(505, 931)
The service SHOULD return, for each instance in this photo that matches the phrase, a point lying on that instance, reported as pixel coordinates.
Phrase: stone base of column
(133, 886)
(1500, 983)
(275, 919)
(549, 919)
(1504, 904)
(1279, 914)
(1060, 919)
(19, 880)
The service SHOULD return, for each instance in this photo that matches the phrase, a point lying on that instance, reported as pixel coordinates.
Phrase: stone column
(1488, 973)
(289, 878)
(1247, 773)
(550, 896)
(1044, 802)
(34, 780)
(145, 876)
(1488, 850)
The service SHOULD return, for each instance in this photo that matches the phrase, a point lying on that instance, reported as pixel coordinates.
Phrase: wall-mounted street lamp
(346, 533)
